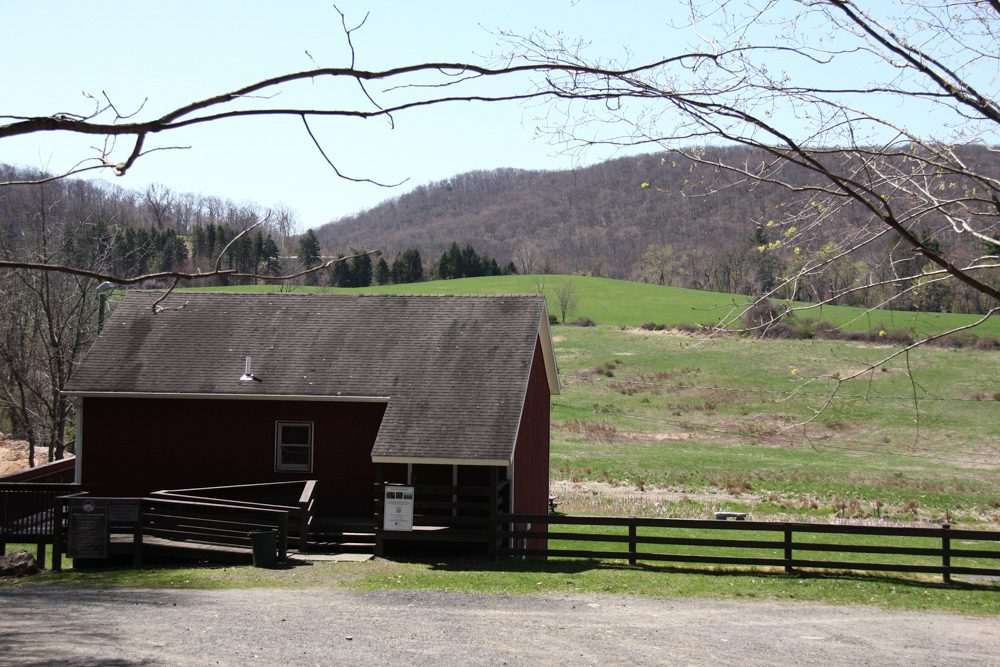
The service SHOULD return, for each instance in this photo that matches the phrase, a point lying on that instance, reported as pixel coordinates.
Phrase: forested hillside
(49, 319)
(656, 218)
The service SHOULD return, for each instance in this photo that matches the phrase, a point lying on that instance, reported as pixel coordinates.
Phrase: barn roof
(453, 370)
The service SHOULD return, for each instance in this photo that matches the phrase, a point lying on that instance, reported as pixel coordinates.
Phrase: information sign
(123, 510)
(88, 531)
(398, 514)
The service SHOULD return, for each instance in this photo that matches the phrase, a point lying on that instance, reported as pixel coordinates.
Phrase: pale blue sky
(182, 50)
(175, 52)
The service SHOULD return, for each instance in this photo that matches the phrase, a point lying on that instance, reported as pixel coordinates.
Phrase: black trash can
(265, 547)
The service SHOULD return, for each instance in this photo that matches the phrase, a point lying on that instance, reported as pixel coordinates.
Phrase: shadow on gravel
(37, 629)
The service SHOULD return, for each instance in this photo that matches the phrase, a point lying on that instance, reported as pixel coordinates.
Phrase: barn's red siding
(133, 446)
(531, 454)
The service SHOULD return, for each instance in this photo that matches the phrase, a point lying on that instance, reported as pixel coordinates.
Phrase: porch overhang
(433, 460)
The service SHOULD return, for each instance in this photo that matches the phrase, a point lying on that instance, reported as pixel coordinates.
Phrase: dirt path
(70, 626)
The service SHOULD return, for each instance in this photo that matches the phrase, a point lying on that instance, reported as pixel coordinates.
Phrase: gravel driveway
(71, 626)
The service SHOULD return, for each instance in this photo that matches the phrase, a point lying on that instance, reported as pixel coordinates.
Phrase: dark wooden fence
(446, 513)
(296, 498)
(206, 530)
(27, 512)
(216, 523)
(938, 550)
(62, 471)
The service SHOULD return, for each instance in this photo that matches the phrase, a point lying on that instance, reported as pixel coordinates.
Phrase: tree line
(692, 225)
(50, 319)
(359, 269)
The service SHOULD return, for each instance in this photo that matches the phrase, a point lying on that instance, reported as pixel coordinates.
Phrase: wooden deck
(160, 547)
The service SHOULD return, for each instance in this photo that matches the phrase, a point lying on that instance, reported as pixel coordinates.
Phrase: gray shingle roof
(455, 368)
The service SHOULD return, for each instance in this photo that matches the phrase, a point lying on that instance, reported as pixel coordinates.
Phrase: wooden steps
(342, 535)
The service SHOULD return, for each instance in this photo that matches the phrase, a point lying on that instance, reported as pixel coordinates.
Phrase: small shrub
(987, 343)
(736, 486)
(553, 319)
(827, 331)
(778, 330)
(956, 341)
(899, 337)
(762, 318)
(801, 328)
(687, 327)
(608, 369)
(594, 430)
(585, 322)
(648, 326)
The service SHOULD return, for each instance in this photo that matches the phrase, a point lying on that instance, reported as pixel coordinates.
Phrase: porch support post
(78, 444)
(57, 531)
(494, 529)
(379, 509)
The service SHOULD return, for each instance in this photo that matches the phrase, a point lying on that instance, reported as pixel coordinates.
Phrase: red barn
(218, 389)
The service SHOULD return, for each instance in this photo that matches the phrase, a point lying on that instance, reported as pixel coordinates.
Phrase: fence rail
(27, 513)
(211, 523)
(296, 498)
(699, 541)
(215, 530)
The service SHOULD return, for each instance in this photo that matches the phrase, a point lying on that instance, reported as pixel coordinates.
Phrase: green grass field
(692, 426)
(620, 302)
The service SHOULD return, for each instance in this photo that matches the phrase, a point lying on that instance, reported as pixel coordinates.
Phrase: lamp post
(102, 296)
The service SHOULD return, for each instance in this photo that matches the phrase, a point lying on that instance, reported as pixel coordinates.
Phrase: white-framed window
(293, 446)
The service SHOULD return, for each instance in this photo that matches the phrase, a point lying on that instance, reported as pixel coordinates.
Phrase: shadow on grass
(578, 566)
(151, 572)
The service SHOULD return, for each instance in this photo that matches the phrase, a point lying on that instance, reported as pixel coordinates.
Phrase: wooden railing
(296, 498)
(171, 524)
(27, 513)
(62, 471)
(444, 513)
(211, 523)
(784, 545)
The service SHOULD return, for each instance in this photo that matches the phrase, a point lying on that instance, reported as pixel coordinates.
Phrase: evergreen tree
(464, 262)
(309, 255)
(340, 274)
(407, 267)
(270, 261)
(413, 266)
(361, 270)
(381, 273)
(199, 243)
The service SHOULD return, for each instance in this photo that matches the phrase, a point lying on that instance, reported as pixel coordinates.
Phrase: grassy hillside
(657, 424)
(624, 303)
